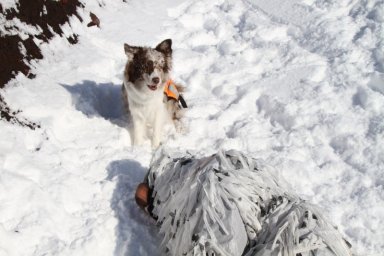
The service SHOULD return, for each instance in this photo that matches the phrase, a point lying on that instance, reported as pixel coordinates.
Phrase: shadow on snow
(135, 231)
(104, 100)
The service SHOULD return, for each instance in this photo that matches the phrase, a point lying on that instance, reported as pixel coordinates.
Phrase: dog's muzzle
(152, 87)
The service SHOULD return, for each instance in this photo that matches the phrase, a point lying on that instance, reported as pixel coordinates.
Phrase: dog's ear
(130, 50)
(165, 46)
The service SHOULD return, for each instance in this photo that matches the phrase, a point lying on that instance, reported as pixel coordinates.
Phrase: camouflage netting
(231, 204)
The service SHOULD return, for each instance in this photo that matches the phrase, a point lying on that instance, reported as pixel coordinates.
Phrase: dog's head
(148, 68)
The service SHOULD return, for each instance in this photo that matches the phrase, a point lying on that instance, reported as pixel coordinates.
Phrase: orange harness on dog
(172, 93)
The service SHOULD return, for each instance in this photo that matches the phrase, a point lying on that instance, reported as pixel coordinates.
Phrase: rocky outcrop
(24, 25)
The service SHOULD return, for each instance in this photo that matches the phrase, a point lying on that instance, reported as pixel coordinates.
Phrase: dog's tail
(180, 88)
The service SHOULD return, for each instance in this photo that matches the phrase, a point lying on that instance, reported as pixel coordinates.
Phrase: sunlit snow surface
(299, 84)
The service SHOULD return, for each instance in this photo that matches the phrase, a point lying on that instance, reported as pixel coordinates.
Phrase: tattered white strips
(222, 203)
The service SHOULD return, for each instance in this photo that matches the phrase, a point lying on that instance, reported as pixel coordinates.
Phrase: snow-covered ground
(297, 83)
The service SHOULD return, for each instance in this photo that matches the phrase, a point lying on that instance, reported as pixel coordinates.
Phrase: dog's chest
(149, 111)
(153, 110)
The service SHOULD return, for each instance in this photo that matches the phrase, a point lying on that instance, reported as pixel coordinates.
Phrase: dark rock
(47, 15)
(94, 21)
(16, 53)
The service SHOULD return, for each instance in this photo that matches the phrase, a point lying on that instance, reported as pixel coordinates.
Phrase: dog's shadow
(136, 232)
(101, 100)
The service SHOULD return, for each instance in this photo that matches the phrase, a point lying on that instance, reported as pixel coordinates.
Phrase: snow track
(296, 83)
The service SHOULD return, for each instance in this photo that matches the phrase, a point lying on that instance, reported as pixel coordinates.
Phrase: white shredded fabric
(231, 204)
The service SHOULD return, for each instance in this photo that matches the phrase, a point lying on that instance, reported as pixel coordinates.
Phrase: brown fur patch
(140, 64)
(135, 68)
(125, 100)
(165, 47)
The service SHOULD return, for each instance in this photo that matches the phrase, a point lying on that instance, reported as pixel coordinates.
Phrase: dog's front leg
(138, 130)
(157, 131)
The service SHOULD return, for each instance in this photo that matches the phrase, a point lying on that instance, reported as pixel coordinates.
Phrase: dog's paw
(155, 142)
(156, 146)
(137, 142)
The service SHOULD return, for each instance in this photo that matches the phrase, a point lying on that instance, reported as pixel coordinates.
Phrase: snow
(7, 4)
(298, 84)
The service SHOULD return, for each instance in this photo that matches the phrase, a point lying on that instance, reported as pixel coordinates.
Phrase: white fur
(148, 112)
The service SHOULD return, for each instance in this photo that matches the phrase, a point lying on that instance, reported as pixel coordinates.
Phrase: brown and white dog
(146, 78)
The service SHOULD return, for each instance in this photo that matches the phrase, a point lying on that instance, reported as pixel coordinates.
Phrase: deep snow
(299, 84)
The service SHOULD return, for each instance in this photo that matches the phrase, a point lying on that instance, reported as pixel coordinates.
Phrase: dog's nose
(155, 80)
